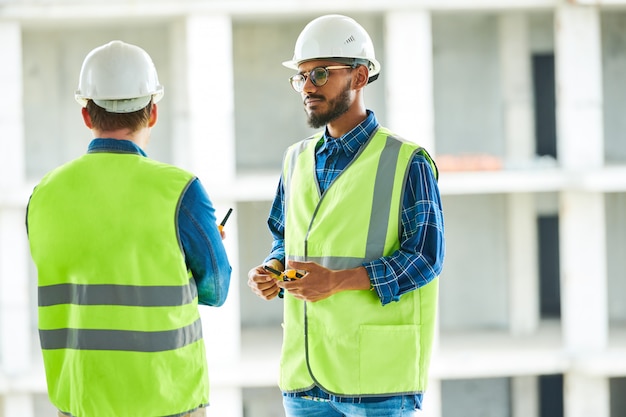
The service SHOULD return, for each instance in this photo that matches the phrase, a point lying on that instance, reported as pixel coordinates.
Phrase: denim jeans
(401, 406)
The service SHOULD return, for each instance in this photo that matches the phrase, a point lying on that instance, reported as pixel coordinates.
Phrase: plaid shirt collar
(354, 139)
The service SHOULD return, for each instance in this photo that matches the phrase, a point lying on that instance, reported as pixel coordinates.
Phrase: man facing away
(358, 214)
(126, 248)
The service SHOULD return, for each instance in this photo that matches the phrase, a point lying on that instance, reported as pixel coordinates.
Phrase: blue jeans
(401, 406)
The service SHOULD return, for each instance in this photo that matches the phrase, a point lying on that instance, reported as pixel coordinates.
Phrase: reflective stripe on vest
(121, 295)
(125, 340)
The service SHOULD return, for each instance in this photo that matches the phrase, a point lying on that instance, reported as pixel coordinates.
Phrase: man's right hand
(263, 283)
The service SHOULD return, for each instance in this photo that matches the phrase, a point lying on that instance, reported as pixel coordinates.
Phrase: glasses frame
(302, 77)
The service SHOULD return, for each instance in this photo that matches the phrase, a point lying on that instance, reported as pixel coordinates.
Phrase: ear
(86, 118)
(362, 76)
(153, 115)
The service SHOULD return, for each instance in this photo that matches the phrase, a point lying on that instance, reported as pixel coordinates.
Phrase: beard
(338, 106)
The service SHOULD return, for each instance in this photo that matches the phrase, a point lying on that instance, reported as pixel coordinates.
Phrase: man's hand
(263, 283)
(320, 282)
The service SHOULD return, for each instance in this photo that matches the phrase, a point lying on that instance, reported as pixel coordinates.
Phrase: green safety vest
(349, 344)
(119, 324)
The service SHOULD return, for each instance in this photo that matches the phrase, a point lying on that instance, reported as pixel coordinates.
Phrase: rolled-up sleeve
(204, 251)
(276, 224)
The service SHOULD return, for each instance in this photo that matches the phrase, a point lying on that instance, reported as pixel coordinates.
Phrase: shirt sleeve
(276, 224)
(422, 244)
(204, 251)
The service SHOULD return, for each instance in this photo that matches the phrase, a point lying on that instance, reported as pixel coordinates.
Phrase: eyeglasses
(318, 76)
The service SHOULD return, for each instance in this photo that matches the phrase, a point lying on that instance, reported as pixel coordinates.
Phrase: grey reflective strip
(293, 158)
(381, 204)
(122, 295)
(126, 340)
(292, 162)
(332, 262)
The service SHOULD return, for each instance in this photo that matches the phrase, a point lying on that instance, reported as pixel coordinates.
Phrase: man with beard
(357, 221)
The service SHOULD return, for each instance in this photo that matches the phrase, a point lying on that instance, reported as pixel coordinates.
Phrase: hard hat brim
(373, 70)
(291, 64)
(122, 105)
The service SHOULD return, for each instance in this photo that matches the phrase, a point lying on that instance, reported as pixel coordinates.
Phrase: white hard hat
(334, 36)
(119, 77)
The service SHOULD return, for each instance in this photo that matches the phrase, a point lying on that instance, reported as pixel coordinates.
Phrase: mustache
(313, 96)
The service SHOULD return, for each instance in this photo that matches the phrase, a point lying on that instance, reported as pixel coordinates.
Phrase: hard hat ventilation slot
(350, 39)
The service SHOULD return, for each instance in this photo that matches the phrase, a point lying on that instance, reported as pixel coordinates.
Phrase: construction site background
(520, 101)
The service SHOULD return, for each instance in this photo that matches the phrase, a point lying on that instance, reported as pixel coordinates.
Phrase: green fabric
(103, 224)
(349, 344)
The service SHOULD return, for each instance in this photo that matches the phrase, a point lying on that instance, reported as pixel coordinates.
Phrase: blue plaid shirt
(421, 253)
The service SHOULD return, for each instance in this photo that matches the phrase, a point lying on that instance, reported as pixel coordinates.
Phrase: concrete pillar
(582, 215)
(11, 106)
(524, 396)
(583, 272)
(519, 138)
(521, 213)
(15, 311)
(204, 143)
(522, 264)
(580, 147)
(516, 78)
(578, 66)
(204, 105)
(595, 389)
(408, 68)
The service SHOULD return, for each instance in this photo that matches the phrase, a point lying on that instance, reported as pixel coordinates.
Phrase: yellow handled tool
(287, 275)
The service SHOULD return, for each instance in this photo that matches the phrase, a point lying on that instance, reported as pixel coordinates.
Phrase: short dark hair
(107, 121)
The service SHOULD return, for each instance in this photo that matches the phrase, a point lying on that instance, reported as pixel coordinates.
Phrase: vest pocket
(389, 358)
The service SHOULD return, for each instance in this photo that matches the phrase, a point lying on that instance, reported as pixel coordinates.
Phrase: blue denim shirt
(204, 252)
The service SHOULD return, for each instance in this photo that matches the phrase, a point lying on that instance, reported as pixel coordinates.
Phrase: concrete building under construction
(521, 102)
